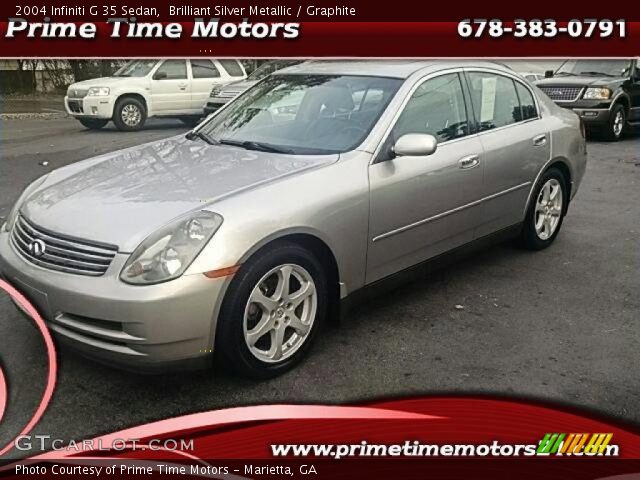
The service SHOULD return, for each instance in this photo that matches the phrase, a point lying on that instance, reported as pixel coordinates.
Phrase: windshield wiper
(202, 136)
(597, 73)
(569, 74)
(249, 145)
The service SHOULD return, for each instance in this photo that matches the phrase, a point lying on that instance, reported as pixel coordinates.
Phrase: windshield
(303, 114)
(136, 68)
(269, 68)
(608, 68)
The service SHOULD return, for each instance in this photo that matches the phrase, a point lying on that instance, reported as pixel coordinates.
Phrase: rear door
(515, 142)
(204, 74)
(171, 88)
(634, 114)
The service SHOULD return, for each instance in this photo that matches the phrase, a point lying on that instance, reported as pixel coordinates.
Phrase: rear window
(204, 69)
(232, 67)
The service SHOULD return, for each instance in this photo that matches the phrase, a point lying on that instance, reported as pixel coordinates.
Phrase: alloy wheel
(131, 115)
(280, 313)
(618, 123)
(549, 209)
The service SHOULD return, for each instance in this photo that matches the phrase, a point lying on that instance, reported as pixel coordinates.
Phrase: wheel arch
(623, 100)
(320, 247)
(562, 164)
(138, 96)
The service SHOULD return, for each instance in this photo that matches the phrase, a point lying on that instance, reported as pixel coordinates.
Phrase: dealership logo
(589, 444)
(37, 248)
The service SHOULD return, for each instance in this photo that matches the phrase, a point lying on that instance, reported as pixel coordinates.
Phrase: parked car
(532, 76)
(149, 88)
(222, 94)
(605, 93)
(244, 236)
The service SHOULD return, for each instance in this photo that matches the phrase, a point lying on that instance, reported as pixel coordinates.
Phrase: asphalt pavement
(558, 326)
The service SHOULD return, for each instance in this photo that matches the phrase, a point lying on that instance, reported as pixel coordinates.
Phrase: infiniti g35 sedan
(240, 238)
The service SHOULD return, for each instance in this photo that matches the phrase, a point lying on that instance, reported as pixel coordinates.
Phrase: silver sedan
(243, 237)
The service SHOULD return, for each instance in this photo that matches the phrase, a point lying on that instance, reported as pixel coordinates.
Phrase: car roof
(384, 68)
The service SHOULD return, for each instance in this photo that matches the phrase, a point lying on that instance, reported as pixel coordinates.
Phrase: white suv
(150, 88)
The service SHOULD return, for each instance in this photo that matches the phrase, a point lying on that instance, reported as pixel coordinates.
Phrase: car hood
(580, 81)
(100, 82)
(123, 197)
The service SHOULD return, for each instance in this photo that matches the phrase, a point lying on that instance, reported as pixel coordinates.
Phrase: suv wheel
(93, 123)
(129, 114)
(546, 212)
(617, 124)
(272, 312)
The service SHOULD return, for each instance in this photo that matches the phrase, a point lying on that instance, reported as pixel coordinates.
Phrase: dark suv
(604, 93)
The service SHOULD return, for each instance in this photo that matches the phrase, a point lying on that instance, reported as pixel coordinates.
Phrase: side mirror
(160, 76)
(548, 74)
(415, 145)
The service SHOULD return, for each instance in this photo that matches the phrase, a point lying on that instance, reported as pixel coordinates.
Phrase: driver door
(421, 207)
(171, 88)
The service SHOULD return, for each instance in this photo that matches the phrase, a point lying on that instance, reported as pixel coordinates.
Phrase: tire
(129, 114)
(537, 233)
(617, 124)
(239, 317)
(190, 121)
(93, 123)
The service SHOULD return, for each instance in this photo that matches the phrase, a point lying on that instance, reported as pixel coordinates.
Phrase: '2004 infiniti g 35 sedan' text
(240, 237)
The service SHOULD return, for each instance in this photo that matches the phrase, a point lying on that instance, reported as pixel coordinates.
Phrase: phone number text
(478, 28)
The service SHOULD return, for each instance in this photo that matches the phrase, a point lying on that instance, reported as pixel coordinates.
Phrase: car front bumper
(214, 104)
(140, 328)
(594, 114)
(90, 107)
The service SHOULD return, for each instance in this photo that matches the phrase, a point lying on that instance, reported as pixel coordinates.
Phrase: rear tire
(130, 114)
(93, 123)
(258, 315)
(617, 124)
(546, 211)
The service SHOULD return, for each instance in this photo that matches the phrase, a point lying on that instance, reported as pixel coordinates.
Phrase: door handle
(539, 141)
(467, 163)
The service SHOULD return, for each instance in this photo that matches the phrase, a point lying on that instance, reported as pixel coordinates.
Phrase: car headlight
(13, 214)
(166, 254)
(597, 94)
(98, 92)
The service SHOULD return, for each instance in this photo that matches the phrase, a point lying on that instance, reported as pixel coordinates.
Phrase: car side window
(437, 108)
(495, 101)
(527, 103)
(175, 69)
(204, 69)
(232, 67)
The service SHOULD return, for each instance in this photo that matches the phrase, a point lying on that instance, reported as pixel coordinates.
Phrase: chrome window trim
(419, 223)
(432, 75)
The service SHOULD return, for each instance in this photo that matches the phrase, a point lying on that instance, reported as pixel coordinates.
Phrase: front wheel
(129, 114)
(93, 123)
(272, 312)
(617, 124)
(546, 212)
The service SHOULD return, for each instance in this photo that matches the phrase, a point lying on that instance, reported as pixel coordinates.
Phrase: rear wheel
(129, 114)
(272, 312)
(93, 123)
(546, 212)
(617, 124)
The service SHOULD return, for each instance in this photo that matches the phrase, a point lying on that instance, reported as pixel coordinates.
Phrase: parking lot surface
(557, 326)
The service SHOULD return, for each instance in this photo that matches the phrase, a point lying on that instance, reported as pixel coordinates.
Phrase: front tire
(130, 114)
(617, 124)
(93, 123)
(546, 212)
(272, 312)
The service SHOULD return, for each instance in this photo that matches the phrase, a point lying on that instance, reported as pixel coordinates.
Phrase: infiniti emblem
(37, 248)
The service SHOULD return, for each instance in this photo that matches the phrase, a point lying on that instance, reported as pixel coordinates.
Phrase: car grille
(57, 252)
(562, 94)
(229, 94)
(77, 93)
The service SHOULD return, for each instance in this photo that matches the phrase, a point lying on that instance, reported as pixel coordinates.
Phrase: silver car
(241, 238)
